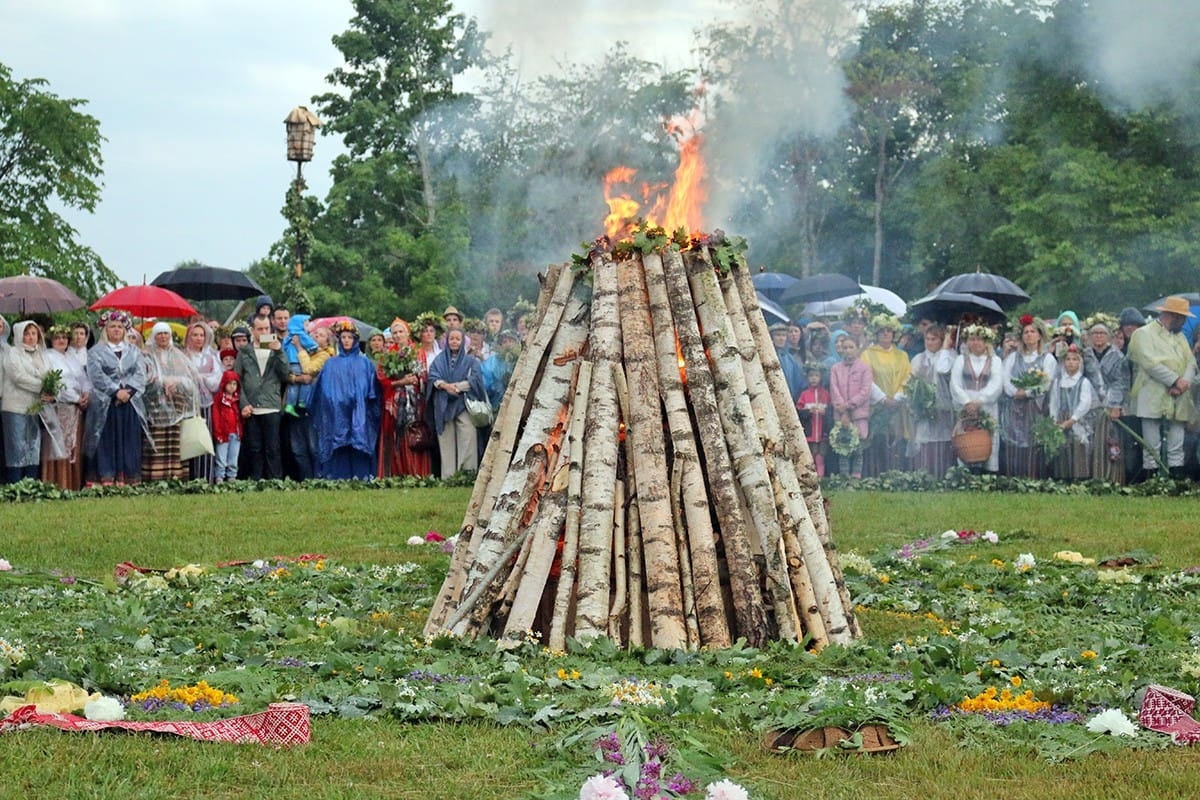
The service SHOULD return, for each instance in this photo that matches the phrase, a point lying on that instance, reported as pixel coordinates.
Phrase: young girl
(1071, 398)
(227, 427)
(850, 385)
(812, 405)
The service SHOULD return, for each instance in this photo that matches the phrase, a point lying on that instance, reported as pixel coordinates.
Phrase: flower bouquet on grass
(844, 439)
(1033, 381)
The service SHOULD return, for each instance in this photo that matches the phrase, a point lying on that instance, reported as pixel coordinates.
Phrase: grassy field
(386, 759)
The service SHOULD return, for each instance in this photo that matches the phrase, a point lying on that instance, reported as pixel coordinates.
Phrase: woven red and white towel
(281, 725)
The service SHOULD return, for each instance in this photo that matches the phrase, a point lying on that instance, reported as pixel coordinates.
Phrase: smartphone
(266, 338)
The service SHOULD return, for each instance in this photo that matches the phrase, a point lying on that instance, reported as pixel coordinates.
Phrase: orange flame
(681, 207)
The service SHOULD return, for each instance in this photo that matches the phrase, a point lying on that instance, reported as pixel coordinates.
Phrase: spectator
(452, 375)
(345, 410)
(1071, 401)
(813, 407)
(198, 347)
(66, 472)
(1104, 365)
(890, 368)
(930, 447)
(1161, 388)
(116, 422)
(172, 395)
(1020, 408)
(792, 372)
(262, 373)
(24, 367)
(976, 383)
(850, 385)
(227, 428)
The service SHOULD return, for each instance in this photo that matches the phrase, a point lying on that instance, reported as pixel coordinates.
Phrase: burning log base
(647, 478)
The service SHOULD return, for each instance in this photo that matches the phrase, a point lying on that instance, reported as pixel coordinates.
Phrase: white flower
(104, 709)
(725, 790)
(602, 787)
(949, 534)
(990, 537)
(416, 541)
(1024, 562)
(1112, 721)
(4, 565)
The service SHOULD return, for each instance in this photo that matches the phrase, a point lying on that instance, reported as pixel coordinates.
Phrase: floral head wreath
(116, 315)
(885, 322)
(344, 326)
(426, 318)
(1100, 318)
(982, 331)
(58, 330)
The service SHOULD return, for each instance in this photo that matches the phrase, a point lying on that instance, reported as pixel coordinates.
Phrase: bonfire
(647, 477)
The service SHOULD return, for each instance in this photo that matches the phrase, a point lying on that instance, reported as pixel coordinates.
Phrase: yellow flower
(995, 662)
(884, 579)
(1015, 680)
(1088, 654)
(997, 563)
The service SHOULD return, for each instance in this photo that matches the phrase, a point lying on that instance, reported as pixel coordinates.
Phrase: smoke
(1144, 51)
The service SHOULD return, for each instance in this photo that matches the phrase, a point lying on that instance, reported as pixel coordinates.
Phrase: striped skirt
(161, 462)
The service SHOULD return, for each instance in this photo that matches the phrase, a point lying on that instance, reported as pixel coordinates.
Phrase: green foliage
(49, 158)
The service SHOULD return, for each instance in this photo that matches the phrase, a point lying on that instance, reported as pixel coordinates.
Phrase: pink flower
(725, 790)
(434, 536)
(4, 565)
(602, 787)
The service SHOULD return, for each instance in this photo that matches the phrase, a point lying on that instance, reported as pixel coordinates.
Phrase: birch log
(700, 549)
(565, 591)
(545, 427)
(750, 615)
(741, 432)
(600, 458)
(823, 566)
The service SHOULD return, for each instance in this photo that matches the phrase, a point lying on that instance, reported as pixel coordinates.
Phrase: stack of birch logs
(647, 478)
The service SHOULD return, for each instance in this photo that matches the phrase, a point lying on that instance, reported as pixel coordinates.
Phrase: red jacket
(226, 415)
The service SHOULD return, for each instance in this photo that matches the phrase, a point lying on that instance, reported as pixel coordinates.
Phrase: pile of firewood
(647, 478)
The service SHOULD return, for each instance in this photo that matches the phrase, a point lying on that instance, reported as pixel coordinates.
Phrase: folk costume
(114, 428)
(979, 379)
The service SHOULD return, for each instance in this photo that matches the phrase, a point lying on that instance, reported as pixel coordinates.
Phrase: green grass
(387, 759)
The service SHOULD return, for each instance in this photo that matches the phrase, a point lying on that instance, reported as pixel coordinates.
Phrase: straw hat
(451, 311)
(1176, 305)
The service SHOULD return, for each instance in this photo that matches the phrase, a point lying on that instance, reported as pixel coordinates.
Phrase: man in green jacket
(263, 372)
(1162, 385)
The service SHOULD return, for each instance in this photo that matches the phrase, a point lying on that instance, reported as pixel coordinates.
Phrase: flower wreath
(1101, 318)
(982, 331)
(428, 318)
(115, 314)
(885, 321)
(344, 326)
(58, 330)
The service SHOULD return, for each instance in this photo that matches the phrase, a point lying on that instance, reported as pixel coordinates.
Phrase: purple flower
(679, 784)
(659, 749)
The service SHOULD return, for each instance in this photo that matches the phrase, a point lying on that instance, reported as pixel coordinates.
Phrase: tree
(49, 156)
(392, 235)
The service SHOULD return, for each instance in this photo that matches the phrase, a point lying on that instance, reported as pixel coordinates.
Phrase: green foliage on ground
(386, 732)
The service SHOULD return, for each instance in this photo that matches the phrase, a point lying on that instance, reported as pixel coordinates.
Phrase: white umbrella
(876, 294)
(772, 312)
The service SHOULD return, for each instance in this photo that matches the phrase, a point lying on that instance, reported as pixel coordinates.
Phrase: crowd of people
(276, 397)
(1109, 398)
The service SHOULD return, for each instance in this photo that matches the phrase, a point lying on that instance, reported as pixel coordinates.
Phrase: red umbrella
(145, 301)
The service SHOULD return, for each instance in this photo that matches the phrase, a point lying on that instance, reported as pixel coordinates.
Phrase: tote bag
(194, 439)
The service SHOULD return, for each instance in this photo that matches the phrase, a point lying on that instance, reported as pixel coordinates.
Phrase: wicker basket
(972, 446)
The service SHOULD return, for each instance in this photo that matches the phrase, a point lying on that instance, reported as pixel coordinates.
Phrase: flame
(680, 206)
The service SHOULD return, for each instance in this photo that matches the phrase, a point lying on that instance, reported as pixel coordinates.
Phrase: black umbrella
(949, 307)
(209, 283)
(1193, 299)
(772, 284)
(31, 294)
(829, 286)
(997, 288)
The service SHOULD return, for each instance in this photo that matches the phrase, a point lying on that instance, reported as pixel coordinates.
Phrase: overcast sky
(191, 97)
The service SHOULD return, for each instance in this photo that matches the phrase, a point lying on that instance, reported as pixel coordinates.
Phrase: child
(850, 383)
(228, 356)
(812, 405)
(1071, 398)
(227, 427)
